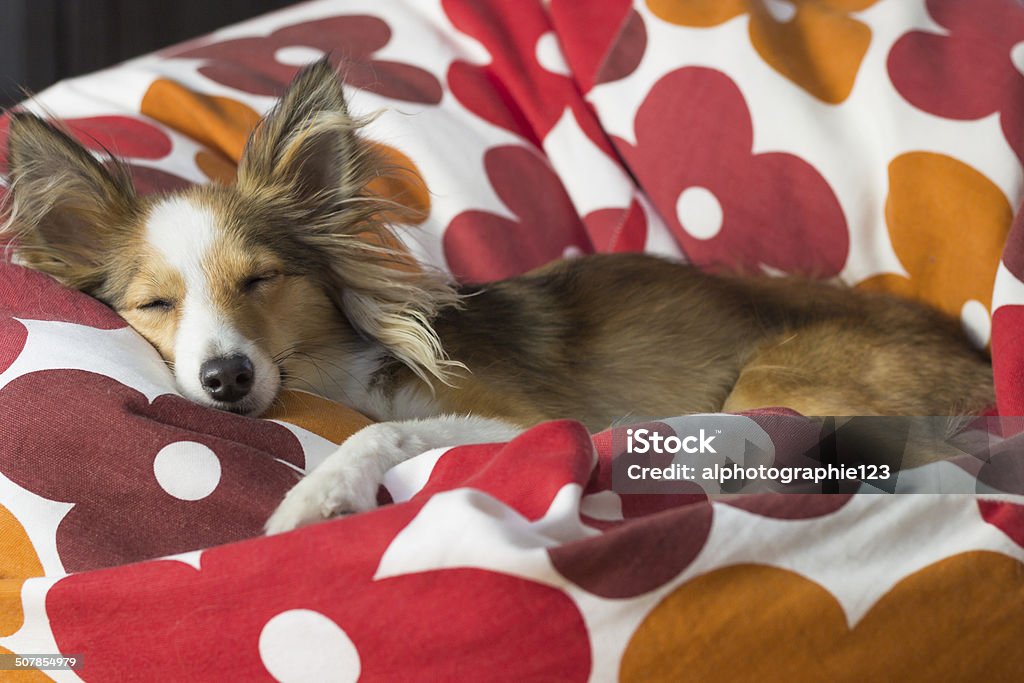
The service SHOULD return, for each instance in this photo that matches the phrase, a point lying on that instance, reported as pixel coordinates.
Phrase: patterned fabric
(878, 142)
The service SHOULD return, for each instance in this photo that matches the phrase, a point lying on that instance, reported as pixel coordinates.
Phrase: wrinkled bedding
(880, 143)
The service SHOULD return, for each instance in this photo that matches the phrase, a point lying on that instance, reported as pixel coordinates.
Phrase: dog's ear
(65, 209)
(306, 154)
(307, 143)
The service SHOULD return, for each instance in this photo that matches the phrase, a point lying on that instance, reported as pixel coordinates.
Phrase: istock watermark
(647, 441)
(723, 474)
(785, 453)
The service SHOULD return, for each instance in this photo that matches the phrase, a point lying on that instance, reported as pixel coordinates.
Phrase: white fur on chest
(349, 379)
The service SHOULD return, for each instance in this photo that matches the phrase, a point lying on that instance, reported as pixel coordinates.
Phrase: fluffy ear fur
(306, 155)
(66, 210)
(307, 141)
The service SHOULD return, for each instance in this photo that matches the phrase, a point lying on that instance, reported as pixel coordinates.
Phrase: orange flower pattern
(18, 561)
(816, 44)
(948, 224)
(724, 626)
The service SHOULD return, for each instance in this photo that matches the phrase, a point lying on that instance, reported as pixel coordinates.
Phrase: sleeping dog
(291, 277)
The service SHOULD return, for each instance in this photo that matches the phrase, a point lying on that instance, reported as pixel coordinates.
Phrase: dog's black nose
(228, 378)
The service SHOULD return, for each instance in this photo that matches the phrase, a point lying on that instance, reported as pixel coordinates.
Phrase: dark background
(43, 41)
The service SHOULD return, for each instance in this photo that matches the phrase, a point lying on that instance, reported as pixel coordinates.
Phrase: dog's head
(243, 287)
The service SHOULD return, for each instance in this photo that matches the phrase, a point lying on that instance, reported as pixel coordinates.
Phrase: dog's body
(605, 337)
(288, 277)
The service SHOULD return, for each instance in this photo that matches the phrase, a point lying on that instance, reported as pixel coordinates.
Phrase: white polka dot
(977, 322)
(301, 645)
(549, 54)
(1017, 56)
(699, 212)
(187, 470)
(781, 10)
(298, 55)
(572, 251)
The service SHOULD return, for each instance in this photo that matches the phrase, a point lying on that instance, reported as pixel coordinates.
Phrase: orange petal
(328, 419)
(846, 5)
(220, 123)
(741, 623)
(974, 628)
(215, 167)
(948, 224)
(24, 675)
(955, 619)
(403, 185)
(18, 561)
(819, 49)
(699, 13)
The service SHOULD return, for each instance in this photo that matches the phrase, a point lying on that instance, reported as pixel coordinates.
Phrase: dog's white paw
(316, 498)
(347, 481)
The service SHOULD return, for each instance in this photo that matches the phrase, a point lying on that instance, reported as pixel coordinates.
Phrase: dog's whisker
(326, 378)
(320, 360)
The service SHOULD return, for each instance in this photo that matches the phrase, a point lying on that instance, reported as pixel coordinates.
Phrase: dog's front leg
(347, 481)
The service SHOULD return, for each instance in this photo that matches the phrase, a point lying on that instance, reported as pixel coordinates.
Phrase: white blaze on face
(184, 234)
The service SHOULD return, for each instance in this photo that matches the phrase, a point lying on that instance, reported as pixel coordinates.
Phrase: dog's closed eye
(157, 305)
(255, 282)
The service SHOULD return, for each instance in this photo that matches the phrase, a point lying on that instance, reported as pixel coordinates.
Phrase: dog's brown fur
(608, 337)
(600, 338)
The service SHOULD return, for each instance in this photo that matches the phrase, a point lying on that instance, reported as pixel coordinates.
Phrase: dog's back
(605, 337)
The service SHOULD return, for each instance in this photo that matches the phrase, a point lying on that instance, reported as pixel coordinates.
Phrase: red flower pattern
(102, 439)
(515, 91)
(609, 48)
(252, 65)
(1008, 517)
(773, 209)
(426, 629)
(482, 246)
(971, 69)
(50, 302)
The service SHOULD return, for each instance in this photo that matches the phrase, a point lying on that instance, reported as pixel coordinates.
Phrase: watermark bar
(41, 662)
(762, 453)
